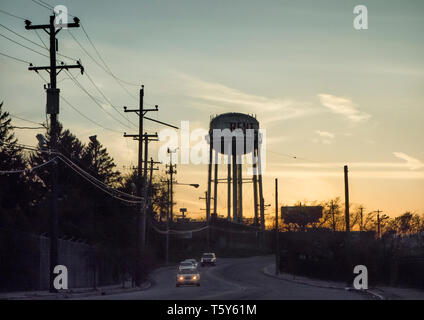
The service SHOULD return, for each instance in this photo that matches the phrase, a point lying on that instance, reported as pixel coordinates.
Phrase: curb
(75, 295)
(375, 295)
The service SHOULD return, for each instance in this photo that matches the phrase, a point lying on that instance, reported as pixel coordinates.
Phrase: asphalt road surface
(237, 279)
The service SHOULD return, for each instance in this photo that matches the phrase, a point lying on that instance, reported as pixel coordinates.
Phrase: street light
(195, 185)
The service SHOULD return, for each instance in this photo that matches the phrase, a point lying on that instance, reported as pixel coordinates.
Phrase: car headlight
(180, 278)
(194, 277)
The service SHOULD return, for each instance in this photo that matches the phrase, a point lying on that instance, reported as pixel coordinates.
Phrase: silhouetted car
(208, 258)
(188, 277)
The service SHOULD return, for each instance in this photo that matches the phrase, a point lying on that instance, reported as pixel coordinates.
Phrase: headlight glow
(181, 277)
(194, 277)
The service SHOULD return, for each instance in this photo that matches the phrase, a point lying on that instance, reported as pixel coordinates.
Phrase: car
(208, 258)
(193, 261)
(188, 277)
(186, 265)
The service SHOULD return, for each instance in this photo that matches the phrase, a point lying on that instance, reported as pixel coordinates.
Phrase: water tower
(234, 135)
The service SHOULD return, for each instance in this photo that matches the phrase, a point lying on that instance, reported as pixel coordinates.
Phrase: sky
(326, 93)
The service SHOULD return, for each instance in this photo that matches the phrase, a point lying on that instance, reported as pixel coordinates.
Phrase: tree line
(86, 212)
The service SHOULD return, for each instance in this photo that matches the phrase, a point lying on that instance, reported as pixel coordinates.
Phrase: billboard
(301, 215)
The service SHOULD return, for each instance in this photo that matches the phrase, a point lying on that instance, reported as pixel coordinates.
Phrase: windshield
(208, 255)
(186, 272)
(186, 264)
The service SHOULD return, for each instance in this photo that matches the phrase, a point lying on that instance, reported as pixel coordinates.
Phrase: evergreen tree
(12, 186)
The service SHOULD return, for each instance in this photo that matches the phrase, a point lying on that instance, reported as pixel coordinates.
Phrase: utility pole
(361, 226)
(346, 182)
(378, 223)
(53, 110)
(333, 214)
(207, 221)
(348, 257)
(277, 244)
(167, 227)
(141, 183)
(171, 173)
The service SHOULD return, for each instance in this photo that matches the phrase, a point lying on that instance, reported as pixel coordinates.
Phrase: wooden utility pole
(171, 173)
(346, 183)
(277, 244)
(167, 226)
(141, 183)
(206, 198)
(378, 224)
(53, 110)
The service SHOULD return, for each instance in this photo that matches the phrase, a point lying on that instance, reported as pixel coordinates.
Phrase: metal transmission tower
(53, 110)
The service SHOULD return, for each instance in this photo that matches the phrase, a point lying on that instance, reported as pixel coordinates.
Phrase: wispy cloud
(324, 137)
(343, 106)
(373, 169)
(353, 174)
(411, 162)
(221, 97)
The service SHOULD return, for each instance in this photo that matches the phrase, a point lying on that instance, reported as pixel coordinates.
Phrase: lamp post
(194, 185)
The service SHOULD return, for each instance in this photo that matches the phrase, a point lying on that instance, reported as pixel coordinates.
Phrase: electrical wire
(14, 58)
(99, 187)
(78, 84)
(23, 119)
(108, 100)
(86, 117)
(29, 169)
(94, 178)
(12, 15)
(24, 46)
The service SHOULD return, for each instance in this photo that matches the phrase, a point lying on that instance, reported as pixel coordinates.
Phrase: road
(238, 279)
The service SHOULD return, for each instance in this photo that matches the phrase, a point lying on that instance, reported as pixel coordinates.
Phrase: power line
(104, 68)
(30, 128)
(28, 169)
(12, 15)
(97, 183)
(105, 64)
(39, 37)
(22, 45)
(21, 36)
(14, 58)
(78, 84)
(296, 157)
(86, 117)
(43, 5)
(23, 119)
(95, 179)
(98, 186)
(78, 111)
(107, 99)
(37, 44)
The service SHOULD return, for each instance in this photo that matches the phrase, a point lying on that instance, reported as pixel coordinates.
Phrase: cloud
(219, 97)
(325, 134)
(343, 106)
(325, 137)
(353, 174)
(412, 163)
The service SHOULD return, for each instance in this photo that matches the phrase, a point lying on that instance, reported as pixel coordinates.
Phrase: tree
(332, 217)
(97, 160)
(12, 191)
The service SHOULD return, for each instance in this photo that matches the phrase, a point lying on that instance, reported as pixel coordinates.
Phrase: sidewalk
(380, 293)
(72, 293)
